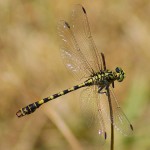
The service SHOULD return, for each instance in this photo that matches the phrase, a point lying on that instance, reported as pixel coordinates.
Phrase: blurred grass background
(31, 69)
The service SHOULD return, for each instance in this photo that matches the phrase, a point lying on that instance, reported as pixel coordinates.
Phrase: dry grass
(31, 68)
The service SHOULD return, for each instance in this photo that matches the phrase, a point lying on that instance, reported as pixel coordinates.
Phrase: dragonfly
(85, 61)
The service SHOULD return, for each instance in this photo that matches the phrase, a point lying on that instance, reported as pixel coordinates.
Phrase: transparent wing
(120, 121)
(71, 53)
(77, 46)
(92, 113)
(81, 29)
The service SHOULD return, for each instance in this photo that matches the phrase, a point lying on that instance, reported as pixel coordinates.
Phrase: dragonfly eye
(118, 69)
(120, 74)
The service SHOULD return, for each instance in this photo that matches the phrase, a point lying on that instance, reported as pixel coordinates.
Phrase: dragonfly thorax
(106, 77)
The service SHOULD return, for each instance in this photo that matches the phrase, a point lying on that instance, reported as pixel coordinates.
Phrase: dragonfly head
(120, 74)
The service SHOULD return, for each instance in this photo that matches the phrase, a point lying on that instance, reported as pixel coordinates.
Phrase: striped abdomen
(32, 107)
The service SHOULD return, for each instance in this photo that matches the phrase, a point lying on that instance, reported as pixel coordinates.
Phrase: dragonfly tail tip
(19, 114)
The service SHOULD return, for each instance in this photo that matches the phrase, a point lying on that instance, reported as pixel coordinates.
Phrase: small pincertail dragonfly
(86, 62)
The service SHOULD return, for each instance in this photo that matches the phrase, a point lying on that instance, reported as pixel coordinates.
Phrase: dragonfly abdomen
(32, 107)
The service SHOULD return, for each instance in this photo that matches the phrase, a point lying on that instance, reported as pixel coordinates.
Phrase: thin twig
(111, 118)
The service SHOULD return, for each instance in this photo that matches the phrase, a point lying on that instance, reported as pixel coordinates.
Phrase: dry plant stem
(64, 129)
(111, 118)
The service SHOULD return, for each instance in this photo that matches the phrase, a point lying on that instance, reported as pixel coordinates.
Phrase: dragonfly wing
(120, 120)
(81, 30)
(92, 113)
(71, 53)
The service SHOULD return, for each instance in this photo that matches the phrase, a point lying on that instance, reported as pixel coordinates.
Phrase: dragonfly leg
(100, 88)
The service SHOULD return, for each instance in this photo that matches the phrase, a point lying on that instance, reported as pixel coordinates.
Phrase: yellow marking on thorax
(99, 76)
(94, 78)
